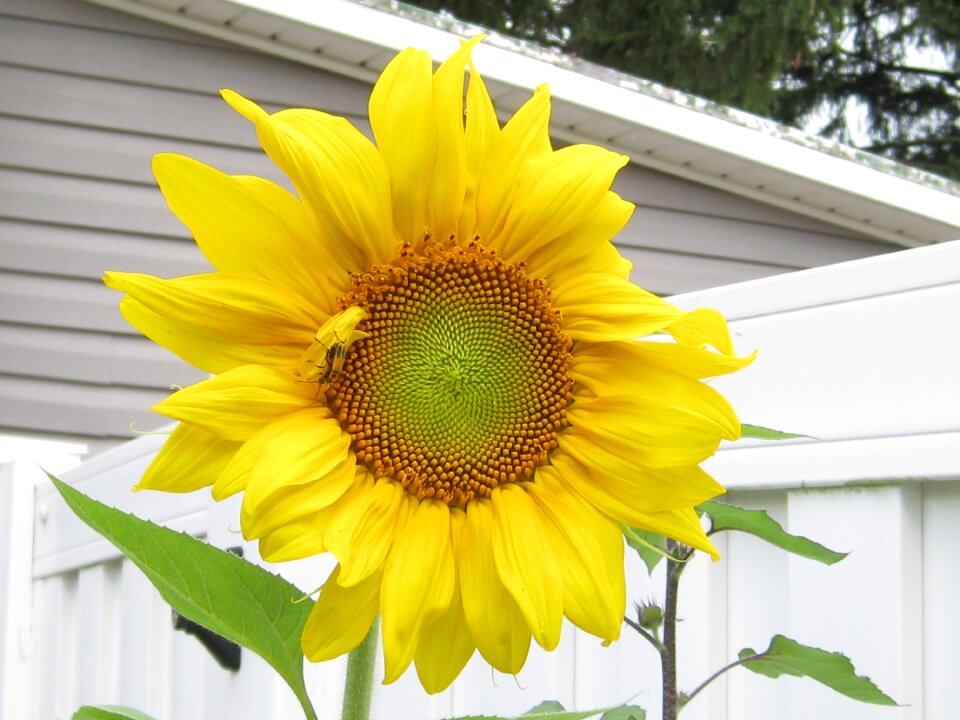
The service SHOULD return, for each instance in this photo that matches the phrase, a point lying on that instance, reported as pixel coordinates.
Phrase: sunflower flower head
(429, 362)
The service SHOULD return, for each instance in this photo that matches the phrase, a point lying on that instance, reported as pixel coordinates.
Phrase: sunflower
(426, 363)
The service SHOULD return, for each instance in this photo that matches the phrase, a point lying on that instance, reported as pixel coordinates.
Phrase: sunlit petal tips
(429, 362)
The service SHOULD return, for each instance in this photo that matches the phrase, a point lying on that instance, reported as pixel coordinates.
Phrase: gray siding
(88, 95)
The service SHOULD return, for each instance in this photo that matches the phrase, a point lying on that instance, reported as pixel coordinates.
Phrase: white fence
(863, 356)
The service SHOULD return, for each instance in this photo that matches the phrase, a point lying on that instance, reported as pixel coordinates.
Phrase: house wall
(88, 95)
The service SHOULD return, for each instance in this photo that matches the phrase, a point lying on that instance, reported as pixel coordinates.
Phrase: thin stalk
(721, 671)
(668, 657)
(358, 690)
(649, 637)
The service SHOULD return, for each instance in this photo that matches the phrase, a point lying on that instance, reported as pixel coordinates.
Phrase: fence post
(17, 481)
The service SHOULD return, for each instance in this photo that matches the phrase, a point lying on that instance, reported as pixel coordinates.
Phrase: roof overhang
(658, 128)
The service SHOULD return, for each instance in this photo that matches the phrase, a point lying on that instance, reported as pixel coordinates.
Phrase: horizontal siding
(88, 358)
(161, 62)
(88, 95)
(43, 249)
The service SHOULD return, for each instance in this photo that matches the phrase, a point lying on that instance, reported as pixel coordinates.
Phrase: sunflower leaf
(625, 712)
(788, 657)
(761, 525)
(108, 712)
(764, 433)
(547, 706)
(552, 710)
(234, 598)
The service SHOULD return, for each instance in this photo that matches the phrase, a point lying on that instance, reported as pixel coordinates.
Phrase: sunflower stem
(358, 690)
(668, 656)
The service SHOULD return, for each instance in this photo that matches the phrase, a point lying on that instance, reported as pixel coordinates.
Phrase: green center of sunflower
(463, 382)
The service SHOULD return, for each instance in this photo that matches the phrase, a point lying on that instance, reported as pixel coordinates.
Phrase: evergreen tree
(828, 65)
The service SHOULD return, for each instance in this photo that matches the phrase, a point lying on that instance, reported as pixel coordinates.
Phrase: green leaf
(788, 657)
(625, 712)
(764, 433)
(230, 596)
(651, 548)
(545, 707)
(758, 523)
(109, 712)
(552, 710)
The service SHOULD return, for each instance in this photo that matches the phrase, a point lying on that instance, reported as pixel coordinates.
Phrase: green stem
(649, 637)
(668, 657)
(721, 671)
(358, 690)
(301, 692)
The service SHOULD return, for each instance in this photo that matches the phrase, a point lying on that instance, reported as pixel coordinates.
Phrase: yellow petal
(330, 345)
(403, 122)
(300, 448)
(493, 616)
(598, 307)
(250, 226)
(681, 524)
(694, 362)
(190, 459)
(338, 173)
(586, 248)
(647, 489)
(702, 327)
(444, 648)
(361, 534)
(526, 562)
(657, 436)
(341, 618)
(591, 546)
(202, 347)
(553, 195)
(214, 321)
(236, 404)
(418, 584)
(481, 132)
(652, 390)
(526, 136)
(297, 539)
(290, 504)
(449, 173)
(287, 535)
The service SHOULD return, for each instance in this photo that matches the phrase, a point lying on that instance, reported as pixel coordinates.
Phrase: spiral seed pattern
(464, 381)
